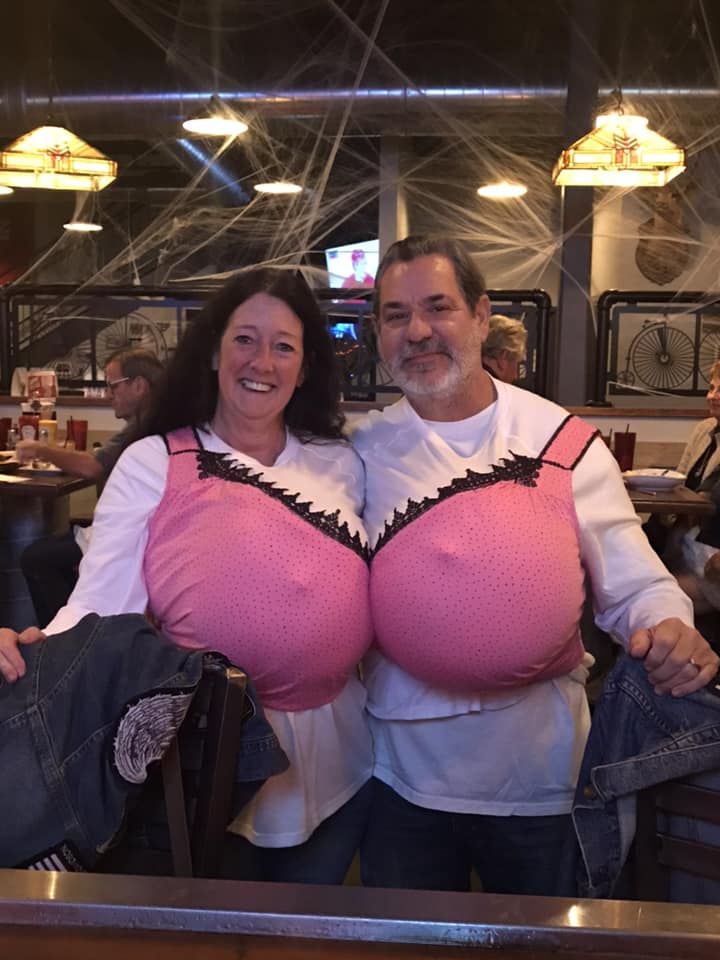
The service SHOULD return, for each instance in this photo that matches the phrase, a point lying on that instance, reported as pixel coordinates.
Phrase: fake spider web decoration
(216, 225)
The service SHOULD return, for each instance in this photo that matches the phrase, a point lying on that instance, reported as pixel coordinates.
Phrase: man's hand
(12, 665)
(27, 450)
(678, 660)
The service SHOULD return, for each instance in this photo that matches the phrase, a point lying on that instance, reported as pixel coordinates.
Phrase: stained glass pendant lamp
(622, 151)
(53, 158)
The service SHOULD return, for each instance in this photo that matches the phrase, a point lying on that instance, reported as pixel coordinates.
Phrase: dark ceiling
(91, 55)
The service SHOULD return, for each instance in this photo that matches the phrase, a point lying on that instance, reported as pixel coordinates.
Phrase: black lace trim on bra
(218, 465)
(520, 469)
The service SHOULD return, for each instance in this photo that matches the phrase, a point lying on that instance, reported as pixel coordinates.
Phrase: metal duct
(115, 113)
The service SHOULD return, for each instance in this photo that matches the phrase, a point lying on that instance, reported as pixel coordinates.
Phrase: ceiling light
(53, 158)
(621, 151)
(215, 126)
(5, 191)
(217, 121)
(278, 186)
(82, 226)
(503, 190)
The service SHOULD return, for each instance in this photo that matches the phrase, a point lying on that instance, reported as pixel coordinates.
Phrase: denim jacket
(97, 704)
(637, 739)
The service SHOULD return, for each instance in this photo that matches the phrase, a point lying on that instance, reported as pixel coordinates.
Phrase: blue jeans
(422, 849)
(324, 858)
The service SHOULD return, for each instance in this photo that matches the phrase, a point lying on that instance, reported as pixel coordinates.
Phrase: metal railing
(659, 356)
(74, 329)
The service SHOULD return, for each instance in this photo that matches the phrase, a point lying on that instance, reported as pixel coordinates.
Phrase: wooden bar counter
(54, 915)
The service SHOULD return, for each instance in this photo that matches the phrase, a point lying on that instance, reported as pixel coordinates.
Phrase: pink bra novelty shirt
(236, 564)
(481, 587)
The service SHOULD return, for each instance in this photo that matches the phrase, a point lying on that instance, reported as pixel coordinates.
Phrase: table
(31, 507)
(678, 500)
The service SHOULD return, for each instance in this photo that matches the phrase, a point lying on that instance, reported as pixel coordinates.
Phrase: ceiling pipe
(121, 113)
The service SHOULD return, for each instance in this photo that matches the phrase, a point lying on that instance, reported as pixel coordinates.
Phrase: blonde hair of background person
(701, 457)
(505, 348)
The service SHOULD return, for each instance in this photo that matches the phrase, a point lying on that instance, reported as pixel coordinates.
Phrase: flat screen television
(352, 265)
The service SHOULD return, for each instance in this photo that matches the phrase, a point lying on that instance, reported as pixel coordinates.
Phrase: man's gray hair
(136, 362)
(469, 278)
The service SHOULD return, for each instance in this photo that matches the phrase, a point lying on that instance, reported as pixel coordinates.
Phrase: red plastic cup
(77, 432)
(625, 450)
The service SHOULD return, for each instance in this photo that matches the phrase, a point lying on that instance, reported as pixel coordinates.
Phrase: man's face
(126, 395)
(428, 336)
(505, 366)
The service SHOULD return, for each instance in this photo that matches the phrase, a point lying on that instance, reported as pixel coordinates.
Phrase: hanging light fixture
(278, 187)
(502, 190)
(217, 121)
(86, 216)
(53, 158)
(82, 226)
(622, 151)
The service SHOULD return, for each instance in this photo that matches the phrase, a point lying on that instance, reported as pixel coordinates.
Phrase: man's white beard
(415, 385)
(461, 368)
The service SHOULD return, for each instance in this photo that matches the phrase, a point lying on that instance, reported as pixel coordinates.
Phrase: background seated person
(236, 521)
(694, 557)
(50, 565)
(505, 348)
(701, 457)
(700, 462)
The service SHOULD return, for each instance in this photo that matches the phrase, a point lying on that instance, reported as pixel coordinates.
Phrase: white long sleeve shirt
(329, 747)
(516, 752)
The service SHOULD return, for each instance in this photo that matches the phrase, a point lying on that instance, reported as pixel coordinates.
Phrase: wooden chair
(188, 801)
(658, 851)
(198, 800)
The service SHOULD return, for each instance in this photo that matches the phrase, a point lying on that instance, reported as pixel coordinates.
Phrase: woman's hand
(12, 664)
(677, 658)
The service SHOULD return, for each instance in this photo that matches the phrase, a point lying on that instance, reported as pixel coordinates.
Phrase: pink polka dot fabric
(231, 569)
(484, 590)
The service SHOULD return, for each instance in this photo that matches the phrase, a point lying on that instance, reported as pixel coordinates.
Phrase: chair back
(198, 772)
(659, 850)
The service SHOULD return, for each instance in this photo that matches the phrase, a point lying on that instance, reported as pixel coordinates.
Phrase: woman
(701, 456)
(700, 462)
(235, 521)
(689, 549)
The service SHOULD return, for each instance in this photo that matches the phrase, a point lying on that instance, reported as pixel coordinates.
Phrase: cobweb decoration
(216, 225)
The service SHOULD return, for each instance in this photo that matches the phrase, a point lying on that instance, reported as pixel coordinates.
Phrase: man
(360, 276)
(486, 505)
(50, 565)
(505, 348)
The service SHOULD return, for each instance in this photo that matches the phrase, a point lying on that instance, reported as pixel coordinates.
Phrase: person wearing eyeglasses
(50, 565)
(129, 377)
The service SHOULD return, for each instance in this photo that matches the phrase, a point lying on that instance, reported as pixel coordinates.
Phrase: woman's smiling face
(260, 360)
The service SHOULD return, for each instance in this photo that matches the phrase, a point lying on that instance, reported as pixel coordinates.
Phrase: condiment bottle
(49, 428)
(28, 423)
